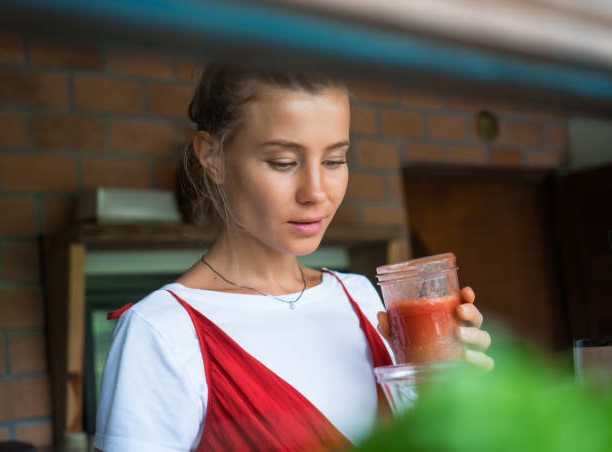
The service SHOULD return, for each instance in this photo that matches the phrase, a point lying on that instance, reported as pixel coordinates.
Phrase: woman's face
(286, 171)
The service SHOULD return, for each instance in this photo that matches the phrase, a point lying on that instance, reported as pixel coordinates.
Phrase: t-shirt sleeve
(147, 402)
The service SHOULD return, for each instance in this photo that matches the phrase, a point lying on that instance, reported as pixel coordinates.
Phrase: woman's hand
(477, 341)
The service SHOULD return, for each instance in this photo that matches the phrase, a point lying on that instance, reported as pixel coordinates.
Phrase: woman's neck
(247, 261)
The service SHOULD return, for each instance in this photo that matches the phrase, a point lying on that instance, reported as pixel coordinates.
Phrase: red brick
(67, 131)
(347, 214)
(24, 397)
(470, 155)
(11, 47)
(166, 175)
(363, 120)
(27, 352)
(402, 123)
(189, 71)
(446, 127)
(169, 100)
(37, 172)
(13, 130)
(93, 92)
(556, 136)
(137, 135)
(376, 154)
(115, 173)
(185, 134)
(544, 159)
(53, 53)
(505, 157)
(21, 308)
(423, 152)
(57, 213)
(20, 261)
(365, 186)
(3, 358)
(421, 100)
(522, 133)
(470, 105)
(395, 187)
(384, 215)
(550, 115)
(39, 433)
(139, 64)
(370, 92)
(19, 217)
(45, 89)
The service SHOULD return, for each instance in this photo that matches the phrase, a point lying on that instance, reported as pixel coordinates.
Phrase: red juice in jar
(421, 297)
(424, 329)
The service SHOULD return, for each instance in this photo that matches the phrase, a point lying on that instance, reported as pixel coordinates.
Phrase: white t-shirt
(153, 393)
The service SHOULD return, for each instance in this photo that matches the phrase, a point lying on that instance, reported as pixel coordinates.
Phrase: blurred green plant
(530, 402)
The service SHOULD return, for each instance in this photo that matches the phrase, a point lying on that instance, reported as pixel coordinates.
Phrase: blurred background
(481, 128)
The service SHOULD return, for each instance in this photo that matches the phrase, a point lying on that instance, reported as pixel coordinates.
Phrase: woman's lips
(306, 227)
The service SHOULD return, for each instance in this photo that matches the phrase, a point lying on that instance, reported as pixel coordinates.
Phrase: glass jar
(421, 297)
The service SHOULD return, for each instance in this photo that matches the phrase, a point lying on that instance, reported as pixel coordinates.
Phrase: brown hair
(217, 108)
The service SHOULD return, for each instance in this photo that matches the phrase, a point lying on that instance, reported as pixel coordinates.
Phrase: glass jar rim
(599, 341)
(424, 267)
(417, 264)
(410, 370)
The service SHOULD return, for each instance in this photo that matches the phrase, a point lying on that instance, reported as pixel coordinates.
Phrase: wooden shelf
(137, 235)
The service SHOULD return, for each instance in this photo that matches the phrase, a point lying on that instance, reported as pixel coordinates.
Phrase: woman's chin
(307, 247)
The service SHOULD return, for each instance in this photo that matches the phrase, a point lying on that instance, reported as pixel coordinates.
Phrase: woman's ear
(204, 145)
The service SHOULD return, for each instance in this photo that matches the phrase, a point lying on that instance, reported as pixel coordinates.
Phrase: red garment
(250, 408)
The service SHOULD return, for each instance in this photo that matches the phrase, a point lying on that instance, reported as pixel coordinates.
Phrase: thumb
(383, 324)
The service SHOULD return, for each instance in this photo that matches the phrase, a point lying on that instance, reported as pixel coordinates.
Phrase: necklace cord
(242, 286)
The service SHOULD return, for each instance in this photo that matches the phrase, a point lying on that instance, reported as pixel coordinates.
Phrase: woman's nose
(311, 189)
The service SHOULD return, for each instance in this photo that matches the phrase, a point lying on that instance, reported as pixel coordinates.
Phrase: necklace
(242, 286)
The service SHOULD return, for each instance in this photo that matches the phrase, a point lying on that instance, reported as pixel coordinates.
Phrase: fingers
(470, 314)
(467, 295)
(474, 337)
(383, 324)
(479, 359)
(476, 341)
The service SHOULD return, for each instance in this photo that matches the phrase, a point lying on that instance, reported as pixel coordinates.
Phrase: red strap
(250, 408)
(380, 354)
(117, 312)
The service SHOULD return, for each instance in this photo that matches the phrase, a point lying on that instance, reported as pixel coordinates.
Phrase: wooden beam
(76, 338)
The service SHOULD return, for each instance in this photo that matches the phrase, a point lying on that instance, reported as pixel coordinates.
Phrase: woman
(248, 350)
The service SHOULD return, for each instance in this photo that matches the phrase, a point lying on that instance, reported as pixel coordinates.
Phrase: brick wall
(395, 127)
(71, 117)
(74, 117)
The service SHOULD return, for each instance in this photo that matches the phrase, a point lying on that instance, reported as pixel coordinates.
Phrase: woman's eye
(281, 165)
(334, 163)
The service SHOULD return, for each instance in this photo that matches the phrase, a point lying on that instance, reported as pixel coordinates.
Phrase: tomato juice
(424, 330)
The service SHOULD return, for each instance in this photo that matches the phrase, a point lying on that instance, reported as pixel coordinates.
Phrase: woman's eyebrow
(282, 144)
(294, 145)
(340, 144)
